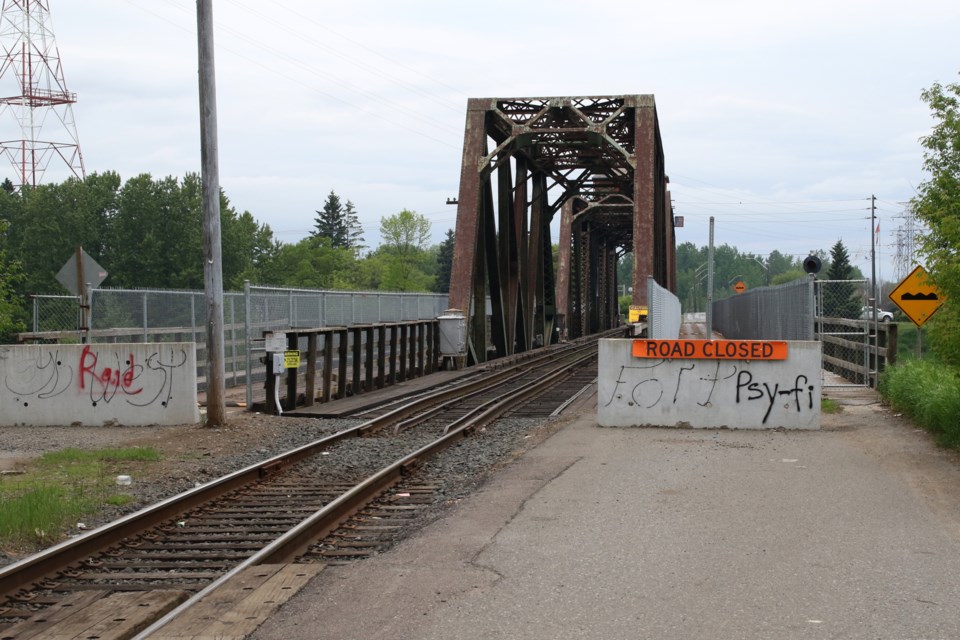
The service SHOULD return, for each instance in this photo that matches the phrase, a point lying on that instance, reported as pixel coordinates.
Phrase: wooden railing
(355, 359)
(844, 355)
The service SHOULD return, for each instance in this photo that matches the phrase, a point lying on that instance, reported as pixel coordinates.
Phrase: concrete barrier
(709, 393)
(98, 384)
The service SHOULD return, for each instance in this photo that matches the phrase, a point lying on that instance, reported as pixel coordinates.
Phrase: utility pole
(873, 244)
(710, 284)
(210, 174)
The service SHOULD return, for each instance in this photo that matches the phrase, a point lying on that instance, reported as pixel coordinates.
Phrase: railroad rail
(339, 498)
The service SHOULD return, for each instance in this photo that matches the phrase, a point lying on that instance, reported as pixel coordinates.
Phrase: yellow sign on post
(917, 296)
(291, 359)
(638, 313)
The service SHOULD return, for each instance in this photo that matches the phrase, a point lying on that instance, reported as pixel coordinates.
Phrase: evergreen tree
(353, 228)
(840, 268)
(840, 298)
(339, 223)
(329, 222)
(445, 264)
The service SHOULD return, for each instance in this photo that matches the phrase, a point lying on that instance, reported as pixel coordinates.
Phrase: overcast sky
(778, 118)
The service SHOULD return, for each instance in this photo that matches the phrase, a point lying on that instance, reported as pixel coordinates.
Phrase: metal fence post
(248, 344)
(35, 312)
(193, 320)
(146, 325)
(233, 338)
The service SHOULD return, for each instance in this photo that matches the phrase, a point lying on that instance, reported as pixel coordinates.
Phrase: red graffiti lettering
(108, 381)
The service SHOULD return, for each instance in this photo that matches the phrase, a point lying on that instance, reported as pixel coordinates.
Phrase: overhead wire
(385, 116)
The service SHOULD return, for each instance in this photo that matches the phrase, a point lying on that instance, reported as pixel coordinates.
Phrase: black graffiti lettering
(752, 387)
(797, 390)
(713, 385)
(679, 377)
(619, 382)
(636, 400)
(772, 395)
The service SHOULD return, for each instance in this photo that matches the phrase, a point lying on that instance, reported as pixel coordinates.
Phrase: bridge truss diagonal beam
(596, 161)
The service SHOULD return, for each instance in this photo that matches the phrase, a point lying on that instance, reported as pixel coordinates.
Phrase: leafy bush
(928, 392)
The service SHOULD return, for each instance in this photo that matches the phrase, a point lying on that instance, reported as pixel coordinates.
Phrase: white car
(883, 316)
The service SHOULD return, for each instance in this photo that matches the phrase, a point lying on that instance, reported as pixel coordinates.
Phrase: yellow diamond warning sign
(917, 296)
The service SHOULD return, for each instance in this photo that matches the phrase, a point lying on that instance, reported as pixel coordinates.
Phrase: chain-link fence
(783, 312)
(125, 315)
(57, 313)
(663, 312)
(841, 327)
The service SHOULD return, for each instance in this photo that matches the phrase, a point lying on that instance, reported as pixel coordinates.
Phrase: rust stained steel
(599, 161)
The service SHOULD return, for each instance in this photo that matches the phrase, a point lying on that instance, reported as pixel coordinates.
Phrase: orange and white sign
(711, 349)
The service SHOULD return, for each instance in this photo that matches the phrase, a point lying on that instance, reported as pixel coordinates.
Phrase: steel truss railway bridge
(595, 161)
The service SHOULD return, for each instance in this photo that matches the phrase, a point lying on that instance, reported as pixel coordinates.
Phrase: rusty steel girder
(596, 160)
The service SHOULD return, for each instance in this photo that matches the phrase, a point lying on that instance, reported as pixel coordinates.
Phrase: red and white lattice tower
(43, 110)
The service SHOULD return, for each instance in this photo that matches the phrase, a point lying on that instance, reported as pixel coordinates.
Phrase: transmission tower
(905, 259)
(43, 109)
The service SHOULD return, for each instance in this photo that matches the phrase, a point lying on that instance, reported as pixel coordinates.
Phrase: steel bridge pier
(598, 162)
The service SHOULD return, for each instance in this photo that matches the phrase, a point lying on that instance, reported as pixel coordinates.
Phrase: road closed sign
(711, 349)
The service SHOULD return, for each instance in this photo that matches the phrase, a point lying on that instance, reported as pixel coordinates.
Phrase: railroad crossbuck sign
(711, 349)
(917, 297)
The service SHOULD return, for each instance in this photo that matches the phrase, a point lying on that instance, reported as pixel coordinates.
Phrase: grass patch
(907, 334)
(929, 393)
(830, 406)
(62, 487)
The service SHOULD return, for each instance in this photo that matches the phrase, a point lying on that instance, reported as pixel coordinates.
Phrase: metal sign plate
(275, 342)
(91, 272)
(917, 296)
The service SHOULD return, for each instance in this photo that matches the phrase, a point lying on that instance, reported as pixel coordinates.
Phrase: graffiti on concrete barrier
(44, 377)
(650, 385)
(99, 374)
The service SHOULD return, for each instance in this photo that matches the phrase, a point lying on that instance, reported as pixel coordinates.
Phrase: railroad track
(338, 499)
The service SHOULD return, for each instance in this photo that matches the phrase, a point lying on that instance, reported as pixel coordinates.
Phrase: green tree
(937, 203)
(778, 264)
(11, 307)
(339, 223)
(312, 263)
(788, 276)
(355, 240)
(840, 299)
(445, 263)
(329, 221)
(405, 236)
(53, 219)
(156, 236)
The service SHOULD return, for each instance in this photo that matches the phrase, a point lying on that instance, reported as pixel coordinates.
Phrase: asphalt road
(849, 532)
